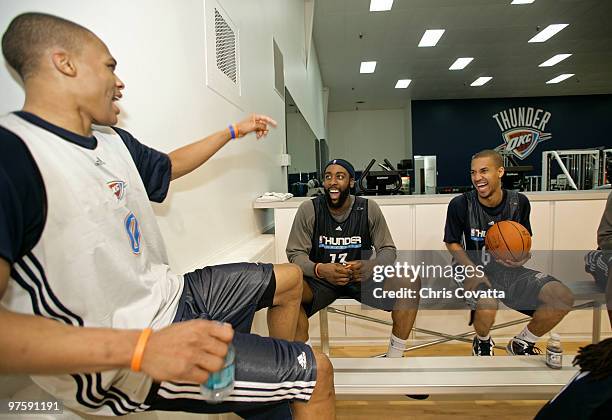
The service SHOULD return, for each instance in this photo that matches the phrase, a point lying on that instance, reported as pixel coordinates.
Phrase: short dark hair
(29, 34)
(488, 153)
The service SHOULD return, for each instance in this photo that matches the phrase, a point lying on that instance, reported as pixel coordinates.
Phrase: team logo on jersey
(339, 228)
(118, 188)
(477, 235)
(522, 130)
(302, 360)
(330, 242)
(133, 230)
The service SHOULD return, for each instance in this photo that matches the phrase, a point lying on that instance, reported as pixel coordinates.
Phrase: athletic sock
(485, 338)
(396, 347)
(528, 336)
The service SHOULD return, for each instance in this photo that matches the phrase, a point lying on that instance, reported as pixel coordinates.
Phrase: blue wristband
(232, 132)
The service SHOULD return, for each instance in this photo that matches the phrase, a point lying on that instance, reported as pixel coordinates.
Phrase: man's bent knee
(325, 371)
(487, 305)
(558, 296)
(289, 279)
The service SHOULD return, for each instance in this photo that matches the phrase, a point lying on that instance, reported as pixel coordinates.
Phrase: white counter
(398, 200)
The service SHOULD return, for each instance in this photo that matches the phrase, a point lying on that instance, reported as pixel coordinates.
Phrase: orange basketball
(508, 240)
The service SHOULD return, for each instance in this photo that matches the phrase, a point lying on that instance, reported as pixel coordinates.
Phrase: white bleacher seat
(500, 377)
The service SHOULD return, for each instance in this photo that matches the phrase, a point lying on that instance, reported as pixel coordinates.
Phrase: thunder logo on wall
(522, 130)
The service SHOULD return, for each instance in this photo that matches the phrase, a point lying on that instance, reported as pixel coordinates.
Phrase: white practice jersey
(100, 262)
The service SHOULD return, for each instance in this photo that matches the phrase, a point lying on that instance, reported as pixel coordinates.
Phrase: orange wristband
(139, 350)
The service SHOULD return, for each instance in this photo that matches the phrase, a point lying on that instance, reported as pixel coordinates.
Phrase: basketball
(508, 241)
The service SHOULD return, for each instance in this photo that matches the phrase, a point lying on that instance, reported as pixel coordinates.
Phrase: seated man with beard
(331, 240)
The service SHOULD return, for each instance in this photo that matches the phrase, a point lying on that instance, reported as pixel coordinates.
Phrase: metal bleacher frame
(584, 291)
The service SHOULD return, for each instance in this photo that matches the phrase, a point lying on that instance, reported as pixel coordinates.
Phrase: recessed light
(548, 32)
(367, 67)
(402, 83)
(522, 1)
(380, 5)
(431, 37)
(481, 81)
(554, 60)
(560, 78)
(461, 63)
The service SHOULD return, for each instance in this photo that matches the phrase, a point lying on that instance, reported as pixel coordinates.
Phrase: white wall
(159, 45)
(359, 136)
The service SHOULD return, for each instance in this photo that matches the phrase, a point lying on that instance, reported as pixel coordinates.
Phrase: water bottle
(220, 384)
(554, 352)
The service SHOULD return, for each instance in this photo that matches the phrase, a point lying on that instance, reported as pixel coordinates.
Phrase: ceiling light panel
(481, 81)
(367, 67)
(554, 60)
(380, 5)
(548, 32)
(431, 37)
(522, 1)
(560, 78)
(402, 83)
(461, 63)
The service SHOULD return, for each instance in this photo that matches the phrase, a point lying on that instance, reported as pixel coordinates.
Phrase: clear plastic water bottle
(554, 352)
(220, 384)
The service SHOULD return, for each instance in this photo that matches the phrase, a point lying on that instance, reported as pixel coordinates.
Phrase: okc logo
(522, 141)
(522, 129)
(133, 230)
(118, 188)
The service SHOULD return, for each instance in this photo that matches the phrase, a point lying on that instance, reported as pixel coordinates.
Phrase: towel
(273, 196)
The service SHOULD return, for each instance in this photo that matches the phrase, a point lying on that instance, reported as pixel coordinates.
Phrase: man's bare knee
(487, 305)
(325, 371)
(557, 296)
(289, 278)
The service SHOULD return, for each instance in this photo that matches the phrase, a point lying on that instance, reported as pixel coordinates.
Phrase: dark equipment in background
(514, 174)
(385, 182)
(514, 177)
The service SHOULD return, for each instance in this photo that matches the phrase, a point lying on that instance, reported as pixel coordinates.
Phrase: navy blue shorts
(598, 263)
(521, 287)
(269, 372)
(324, 294)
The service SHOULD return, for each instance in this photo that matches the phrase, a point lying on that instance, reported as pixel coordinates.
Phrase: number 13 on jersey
(339, 258)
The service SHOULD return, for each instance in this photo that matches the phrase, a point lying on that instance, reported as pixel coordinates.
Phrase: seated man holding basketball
(535, 294)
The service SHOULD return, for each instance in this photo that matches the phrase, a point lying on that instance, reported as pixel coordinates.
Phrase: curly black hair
(595, 358)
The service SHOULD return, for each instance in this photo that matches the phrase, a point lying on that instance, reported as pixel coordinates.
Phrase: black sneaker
(482, 348)
(518, 347)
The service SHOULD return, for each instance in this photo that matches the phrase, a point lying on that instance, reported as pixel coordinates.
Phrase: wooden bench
(502, 377)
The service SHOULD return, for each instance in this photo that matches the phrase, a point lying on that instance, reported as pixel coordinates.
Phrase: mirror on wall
(302, 146)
